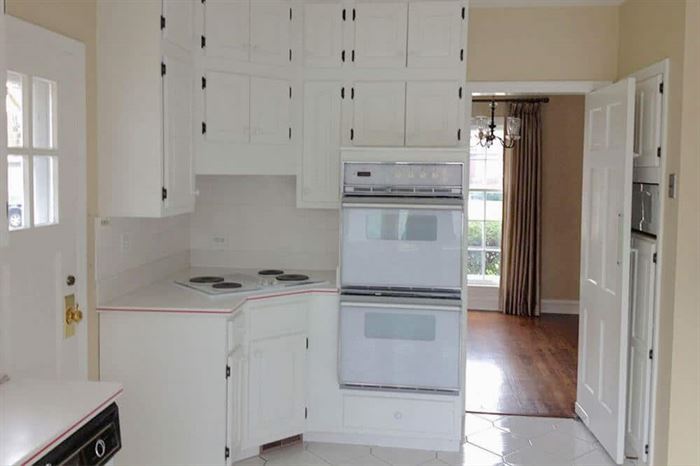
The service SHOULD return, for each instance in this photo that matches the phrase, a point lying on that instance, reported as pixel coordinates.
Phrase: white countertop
(36, 415)
(166, 296)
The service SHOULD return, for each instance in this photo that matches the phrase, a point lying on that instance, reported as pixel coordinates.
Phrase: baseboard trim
(559, 306)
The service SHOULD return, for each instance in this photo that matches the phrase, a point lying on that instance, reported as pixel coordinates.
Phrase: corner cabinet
(146, 82)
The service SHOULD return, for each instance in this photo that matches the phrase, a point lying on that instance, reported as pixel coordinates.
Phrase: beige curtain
(522, 181)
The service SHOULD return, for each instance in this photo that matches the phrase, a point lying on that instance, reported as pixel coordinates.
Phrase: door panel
(227, 29)
(270, 113)
(227, 107)
(270, 26)
(647, 128)
(434, 34)
(179, 26)
(605, 264)
(378, 117)
(432, 113)
(323, 34)
(380, 35)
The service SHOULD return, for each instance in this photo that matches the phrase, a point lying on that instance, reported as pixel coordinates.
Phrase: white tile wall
(252, 221)
(133, 252)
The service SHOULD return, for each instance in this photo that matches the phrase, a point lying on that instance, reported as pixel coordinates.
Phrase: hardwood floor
(520, 365)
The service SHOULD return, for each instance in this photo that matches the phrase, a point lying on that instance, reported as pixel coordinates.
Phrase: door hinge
(203, 42)
(460, 92)
(646, 449)
(290, 14)
(661, 88)
(344, 14)
(459, 134)
(163, 68)
(658, 151)
(307, 343)
(162, 22)
(651, 354)
(464, 13)
(352, 134)
(228, 371)
(204, 127)
(290, 92)
(653, 258)
(342, 92)
(163, 193)
(290, 54)
(342, 56)
(354, 14)
(461, 54)
(352, 55)
(306, 413)
(352, 93)
(227, 453)
(290, 133)
(204, 82)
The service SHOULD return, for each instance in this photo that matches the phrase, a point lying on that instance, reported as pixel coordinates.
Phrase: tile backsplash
(253, 221)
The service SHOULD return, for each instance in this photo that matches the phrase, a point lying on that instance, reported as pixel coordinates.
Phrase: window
(32, 166)
(485, 210)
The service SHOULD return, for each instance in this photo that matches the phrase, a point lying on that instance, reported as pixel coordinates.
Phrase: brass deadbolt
(74, 315)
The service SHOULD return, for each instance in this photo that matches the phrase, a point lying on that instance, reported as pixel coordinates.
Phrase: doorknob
(74, 315)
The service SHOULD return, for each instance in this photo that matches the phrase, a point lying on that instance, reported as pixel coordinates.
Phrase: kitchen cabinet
(270, 113)
(378, 113)
(435, 34)
(647, 122)
(227, 107)
(433, 113)
(270, 32)
(323, 34)
(145, 76)
(227, 29)
(380, 34)
(319, 175)
(177, 24)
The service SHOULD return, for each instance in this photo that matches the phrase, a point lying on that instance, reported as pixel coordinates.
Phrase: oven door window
(402, 226)
(400, 326)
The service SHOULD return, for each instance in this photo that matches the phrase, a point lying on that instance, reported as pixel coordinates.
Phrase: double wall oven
(401, 276)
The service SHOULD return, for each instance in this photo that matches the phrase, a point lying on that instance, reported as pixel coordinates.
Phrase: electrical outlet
(125, 242)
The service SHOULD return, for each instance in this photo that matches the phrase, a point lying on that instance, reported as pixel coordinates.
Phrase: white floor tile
(254, 461)
(498, 441)
(474, 424)
(368, 460)
(489, 417)
(471, 455)
(563, 446)
(336, 453)
(527, 427)
(403, 456)
(534, 457)
(292, 456)
(597, 457)
(575, 428)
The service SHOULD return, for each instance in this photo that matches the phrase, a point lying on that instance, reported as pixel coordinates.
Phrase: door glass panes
(17, 192)
(45, 190)
(43, 113)
(14, 102)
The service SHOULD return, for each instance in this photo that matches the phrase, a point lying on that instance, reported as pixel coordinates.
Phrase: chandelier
(487, 129)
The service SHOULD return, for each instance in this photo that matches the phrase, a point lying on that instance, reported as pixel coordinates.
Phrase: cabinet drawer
(379, 413)
(271, 318)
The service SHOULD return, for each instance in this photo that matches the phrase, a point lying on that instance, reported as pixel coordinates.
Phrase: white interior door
(605, 264)
(46, 186)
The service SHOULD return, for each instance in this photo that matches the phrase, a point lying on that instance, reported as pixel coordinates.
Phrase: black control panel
(93, 444)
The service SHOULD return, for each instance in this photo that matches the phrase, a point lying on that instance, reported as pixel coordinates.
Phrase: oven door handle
(418, 307)
(413, 206)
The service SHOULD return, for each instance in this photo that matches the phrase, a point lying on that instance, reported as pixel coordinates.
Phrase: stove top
(267, 279)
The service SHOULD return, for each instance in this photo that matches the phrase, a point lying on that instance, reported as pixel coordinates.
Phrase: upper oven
(402, 228)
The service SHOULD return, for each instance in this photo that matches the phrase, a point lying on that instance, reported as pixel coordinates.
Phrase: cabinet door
(435, 34)
(320, 167)
(380, 35)
(270, 27)
(178, 88)
(432, 113)
(179, 24)
(270, 116)
(227, 29)
(227, 106)
(647, 122)
(236, 402)
(323, 34)
(276, 389)
(378, 115)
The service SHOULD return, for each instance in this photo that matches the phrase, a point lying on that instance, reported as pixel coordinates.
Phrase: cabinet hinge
(227, 453)
(163, 193)
(646, 449)
(290, 133)
(461, 54)
(204, 1)
(653, 258)
(306, 413)
(204, 127)
(307, 343)
(204, 82)
(352, 93)
(290, 54)
(651, 354)
(352, 55)
(354, 14)
(290, 14)
(342, 56)
(344, 14)
(352, 134)
(460, 92)
(658, 151)
(459, 134)
(342, 92)
(661, 88)
(228, 371)
(464, 13)
(203, 42)
(163, 68)
(162, 22)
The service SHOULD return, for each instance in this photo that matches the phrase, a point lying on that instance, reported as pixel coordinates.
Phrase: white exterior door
(379, 113)
(46, 260)
(432, 113)
(227, 29)
(380, 35)
(270, 113)
(227, 107)
(605, 264)
(434, 34)
(270, 27)
(647, 127)
(323, 34)
(642, 299)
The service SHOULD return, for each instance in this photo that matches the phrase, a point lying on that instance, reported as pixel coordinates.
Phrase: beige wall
(531, 44)
(76, 19)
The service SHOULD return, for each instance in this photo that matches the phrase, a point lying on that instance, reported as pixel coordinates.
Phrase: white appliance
(231, 283)
(401, 276)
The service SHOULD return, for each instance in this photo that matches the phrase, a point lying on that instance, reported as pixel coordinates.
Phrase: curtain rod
(542, 100)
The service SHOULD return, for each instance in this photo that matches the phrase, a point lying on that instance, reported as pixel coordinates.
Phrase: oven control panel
(409, 179)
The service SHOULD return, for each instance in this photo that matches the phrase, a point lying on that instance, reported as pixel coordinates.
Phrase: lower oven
(400, 344)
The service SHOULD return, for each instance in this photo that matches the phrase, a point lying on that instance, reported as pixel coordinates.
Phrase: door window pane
(493, 264)
(474, 263)
(476, 205)
(494, 205)
(492, 234)
(17, 192)
(14, 104)
(43, 113)
(475, 234)
(45, 190)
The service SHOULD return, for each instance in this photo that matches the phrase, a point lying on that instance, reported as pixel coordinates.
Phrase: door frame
(582, 88)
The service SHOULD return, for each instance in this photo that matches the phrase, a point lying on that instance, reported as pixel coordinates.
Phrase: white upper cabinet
(435, 34)
(323, 34)
(433, 113)
(320, 166)
(270, 116)
(227, 29)
(227, 107)
(378, 113)
(270, 32)
(380, 35)
(177, 23)
(647, 122)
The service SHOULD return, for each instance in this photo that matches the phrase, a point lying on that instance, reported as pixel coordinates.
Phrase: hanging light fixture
(487, 129)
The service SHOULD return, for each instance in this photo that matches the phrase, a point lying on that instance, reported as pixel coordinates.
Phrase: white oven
(389, 343)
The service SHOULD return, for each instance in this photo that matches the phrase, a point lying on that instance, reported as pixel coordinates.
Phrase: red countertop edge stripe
(67, 431)
(204, 311)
